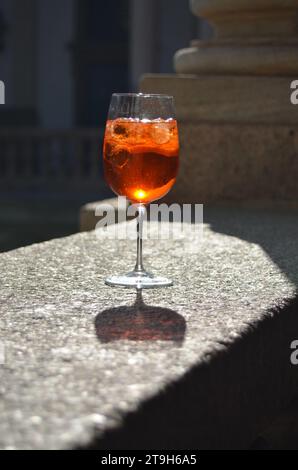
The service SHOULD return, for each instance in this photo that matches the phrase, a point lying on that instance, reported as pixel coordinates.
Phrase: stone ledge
(227, 99)
(205, 364)
(238, 137)
(89, 217)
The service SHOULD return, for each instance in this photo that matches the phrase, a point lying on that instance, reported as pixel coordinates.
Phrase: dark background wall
(60, 62)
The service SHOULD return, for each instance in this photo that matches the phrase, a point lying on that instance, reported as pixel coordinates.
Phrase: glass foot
(138, 280)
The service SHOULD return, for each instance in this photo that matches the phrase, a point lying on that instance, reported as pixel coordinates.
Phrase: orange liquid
(141, 158)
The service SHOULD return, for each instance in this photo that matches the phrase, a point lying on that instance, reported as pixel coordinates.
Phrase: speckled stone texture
(204, 364)
(237, 163)
(238, 136)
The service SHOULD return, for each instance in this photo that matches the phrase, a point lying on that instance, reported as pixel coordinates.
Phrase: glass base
(138, 280)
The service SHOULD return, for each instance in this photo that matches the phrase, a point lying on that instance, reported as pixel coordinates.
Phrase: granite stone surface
(203, 364)
(238, 137)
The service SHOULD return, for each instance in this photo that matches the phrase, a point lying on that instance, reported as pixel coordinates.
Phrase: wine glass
(141, 150)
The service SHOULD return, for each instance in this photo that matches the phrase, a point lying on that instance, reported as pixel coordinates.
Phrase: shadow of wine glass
(140, 322)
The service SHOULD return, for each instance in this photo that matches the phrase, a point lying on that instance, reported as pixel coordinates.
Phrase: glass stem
(141, 214)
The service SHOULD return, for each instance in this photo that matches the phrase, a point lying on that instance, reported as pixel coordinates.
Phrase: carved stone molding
(251, 37)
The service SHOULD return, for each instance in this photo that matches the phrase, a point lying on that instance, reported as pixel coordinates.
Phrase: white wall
(55, 92)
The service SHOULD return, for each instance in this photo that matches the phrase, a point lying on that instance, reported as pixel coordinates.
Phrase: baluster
(11, 156)
(3, 159)
(65, 158)
(46, 159)
(27, 149)
(95, 156)
(78, 158)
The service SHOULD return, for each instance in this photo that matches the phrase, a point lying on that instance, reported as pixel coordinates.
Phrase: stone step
(202, 365)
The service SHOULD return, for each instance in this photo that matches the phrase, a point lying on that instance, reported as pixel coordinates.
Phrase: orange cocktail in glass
(141, 150)
(141, 157)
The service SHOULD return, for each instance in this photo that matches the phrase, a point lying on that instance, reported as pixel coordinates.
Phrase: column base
(254, 57)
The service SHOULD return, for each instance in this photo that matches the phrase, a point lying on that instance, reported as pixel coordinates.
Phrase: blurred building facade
(61, 60)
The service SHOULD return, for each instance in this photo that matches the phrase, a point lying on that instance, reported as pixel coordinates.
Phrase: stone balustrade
(204, 364)
(43, 159)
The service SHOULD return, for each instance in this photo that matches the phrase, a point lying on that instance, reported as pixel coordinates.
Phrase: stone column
(252, 37)
(238, 127)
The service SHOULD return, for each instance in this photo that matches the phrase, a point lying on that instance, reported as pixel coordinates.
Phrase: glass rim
(143, 95)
